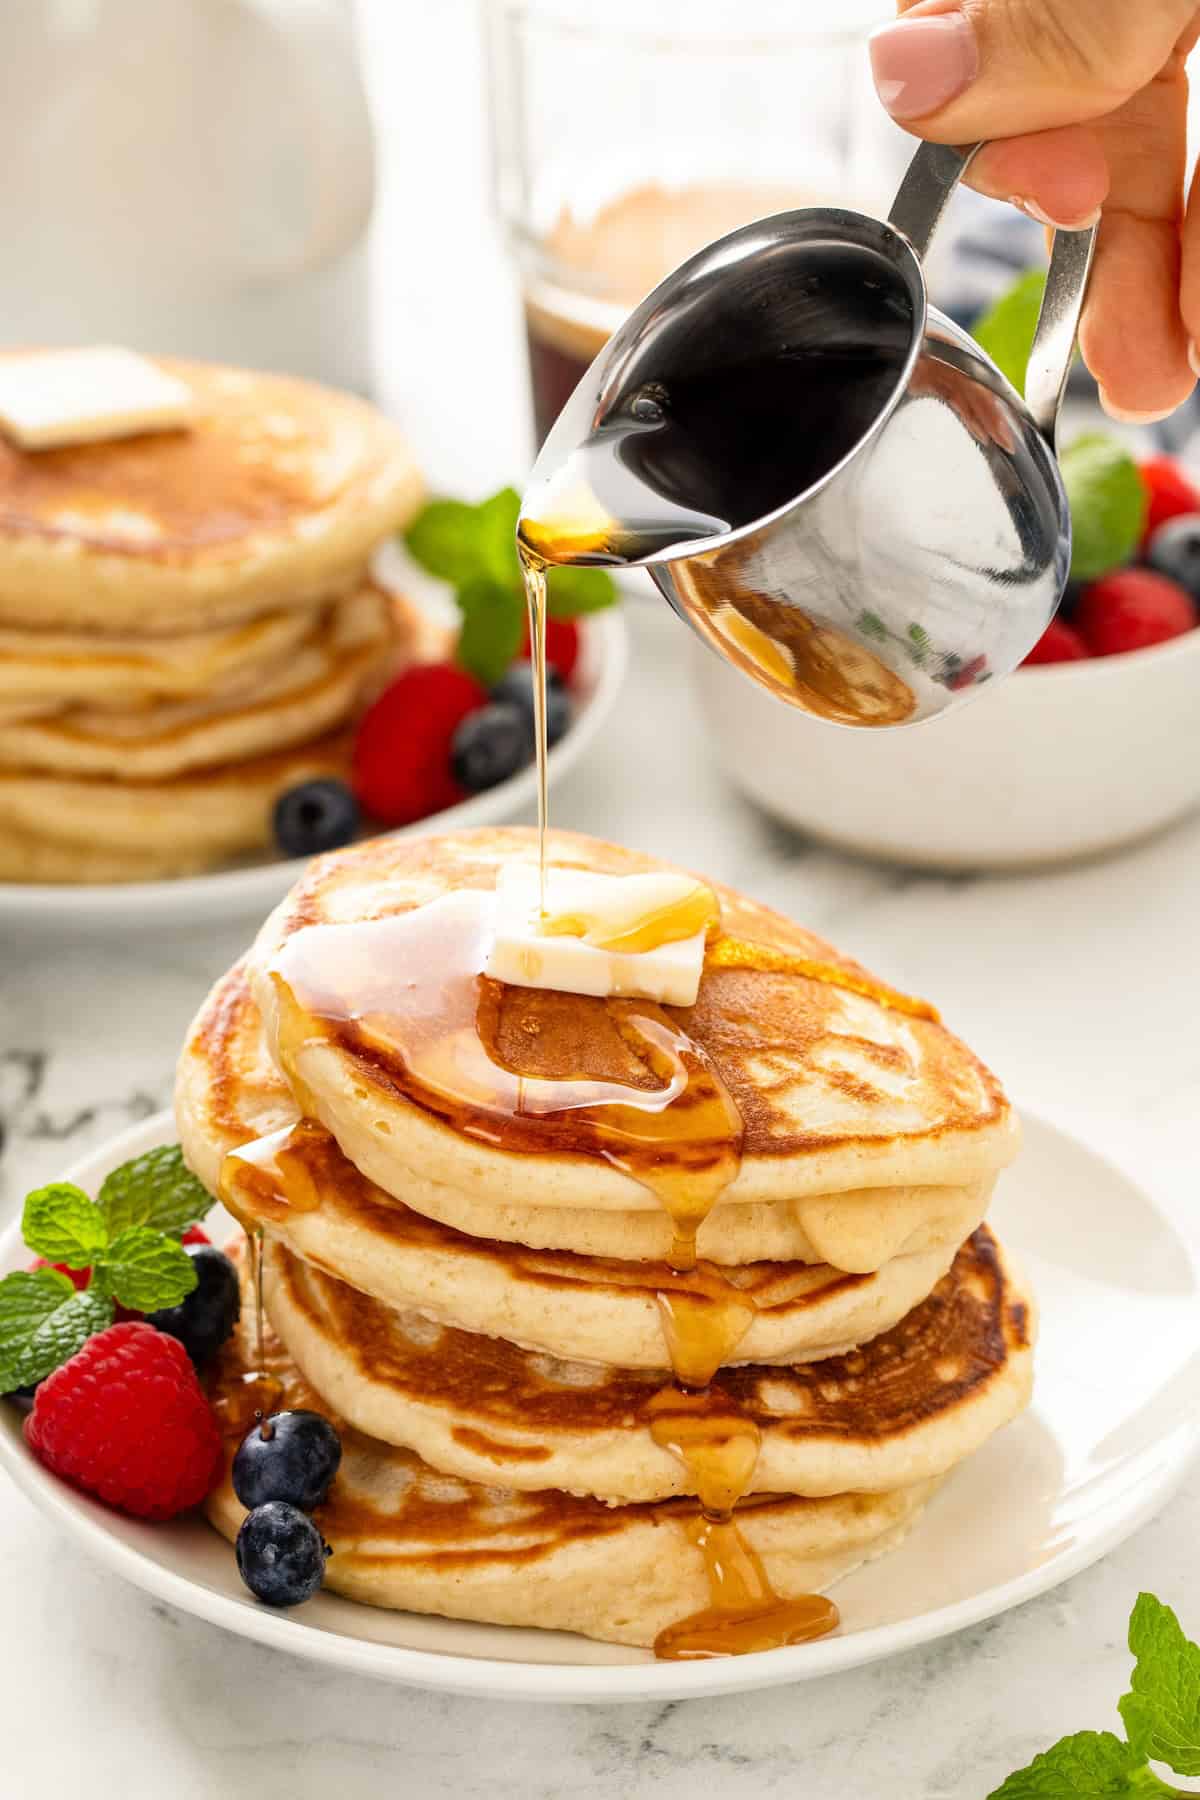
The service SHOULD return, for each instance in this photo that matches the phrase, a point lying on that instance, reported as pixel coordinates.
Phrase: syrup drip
(533, 573)
(739, 953)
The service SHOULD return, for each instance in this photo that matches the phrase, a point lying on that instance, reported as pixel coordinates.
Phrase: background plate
(253, 890)
(1106, 1441)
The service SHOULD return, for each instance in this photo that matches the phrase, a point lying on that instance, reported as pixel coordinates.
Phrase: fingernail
(1125, 415)
(1194, 356)
(920, 64)
(1034, 211)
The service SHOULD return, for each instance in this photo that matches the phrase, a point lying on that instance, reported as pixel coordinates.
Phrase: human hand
(1084, 104)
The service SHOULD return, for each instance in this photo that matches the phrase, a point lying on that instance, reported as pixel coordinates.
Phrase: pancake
(272, 499)
(903, 1409)
(592, 1309)
(48, 671)
(406, 1537)
(315, 688)
(869, 1132)
(55, 829)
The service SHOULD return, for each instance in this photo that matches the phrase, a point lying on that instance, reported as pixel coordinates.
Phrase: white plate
(1105, 1443)
(253, 890)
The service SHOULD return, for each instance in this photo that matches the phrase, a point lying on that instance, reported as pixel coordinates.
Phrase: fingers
(1189, 285)
(1058, 177)
(959, 70)
(1132, 334)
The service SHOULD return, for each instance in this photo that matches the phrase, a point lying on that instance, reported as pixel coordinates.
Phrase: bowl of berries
(1093, 744)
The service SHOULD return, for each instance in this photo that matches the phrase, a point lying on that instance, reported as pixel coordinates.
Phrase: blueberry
(516, 689)
(1174, 551)
(490, 745)
(315, 816)
(291, 1456)
(209, 1313)
(281, 1554)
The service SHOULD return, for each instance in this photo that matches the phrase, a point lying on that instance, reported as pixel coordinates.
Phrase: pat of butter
(552, 951)
(54, 397)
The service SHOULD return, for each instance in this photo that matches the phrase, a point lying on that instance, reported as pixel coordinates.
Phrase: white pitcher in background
(192, 176)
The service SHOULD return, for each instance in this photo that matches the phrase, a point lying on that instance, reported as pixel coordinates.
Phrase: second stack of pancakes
(189, 626)
(486, 1307)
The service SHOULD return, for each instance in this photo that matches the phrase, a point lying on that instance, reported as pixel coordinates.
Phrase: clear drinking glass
(627, 136)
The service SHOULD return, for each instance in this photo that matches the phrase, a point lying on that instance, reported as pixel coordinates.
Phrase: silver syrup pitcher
(926, 561)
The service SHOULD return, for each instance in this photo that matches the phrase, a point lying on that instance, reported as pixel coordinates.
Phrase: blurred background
(449, 207)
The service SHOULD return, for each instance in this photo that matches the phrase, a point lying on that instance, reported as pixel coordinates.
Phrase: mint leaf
(1108, 504)
(493, 618)
(63, 1225)
(145, 1270)
(43, 1321)
(1005, 330)
(444, 539)
(572, 592)
(1162, 1712)
(1092, 1765)
(496, 526)
(154, 1189)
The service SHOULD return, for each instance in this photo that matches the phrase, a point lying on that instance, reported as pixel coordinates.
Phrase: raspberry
(562, 646)
(1130, 610)
(402, 751)
(1168, 493)
(126, 1419)
(1059, 643)
(195, 1235)
(78, 1278)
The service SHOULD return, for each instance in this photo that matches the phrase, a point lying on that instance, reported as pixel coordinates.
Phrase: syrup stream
(533, 572)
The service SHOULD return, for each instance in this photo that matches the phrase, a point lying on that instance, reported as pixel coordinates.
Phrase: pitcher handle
(921, 199)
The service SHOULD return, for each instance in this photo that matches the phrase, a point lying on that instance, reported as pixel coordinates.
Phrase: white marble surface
(1082, 988)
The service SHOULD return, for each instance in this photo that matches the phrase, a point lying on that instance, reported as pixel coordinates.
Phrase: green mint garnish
(145, 1270)
(493, 622)
(154, 1189)
(1005, 330)
(128, 1238)
(1161, 1716)
(43, 1321)
(474, 548)
(60, 1223)
(1108, 504)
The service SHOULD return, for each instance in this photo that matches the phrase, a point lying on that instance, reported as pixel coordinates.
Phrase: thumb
(959, 70)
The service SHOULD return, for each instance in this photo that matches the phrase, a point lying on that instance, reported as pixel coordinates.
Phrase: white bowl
(1060, 761)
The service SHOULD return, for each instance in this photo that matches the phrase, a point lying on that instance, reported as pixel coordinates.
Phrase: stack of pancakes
(479, 1299)
(187, 625)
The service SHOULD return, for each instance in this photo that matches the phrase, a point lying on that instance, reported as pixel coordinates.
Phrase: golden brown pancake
(274, 497)
(901, 1409)
(405, 1536)
(842, 1088)
(592, 1308)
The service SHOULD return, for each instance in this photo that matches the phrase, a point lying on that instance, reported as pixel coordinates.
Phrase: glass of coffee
(627, 136)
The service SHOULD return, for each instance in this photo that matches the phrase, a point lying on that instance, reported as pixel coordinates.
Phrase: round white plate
(254, 889)
(1107, 1439)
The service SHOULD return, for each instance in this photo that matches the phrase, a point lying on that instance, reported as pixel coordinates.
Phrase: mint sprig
(474, 548)
(157, 1189)
(1161, 1715)
(1108, 504)
(128, 1237)
(43, 1321)
(1005, 330)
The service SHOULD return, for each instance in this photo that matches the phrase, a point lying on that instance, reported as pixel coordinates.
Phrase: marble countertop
(1081, 987)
